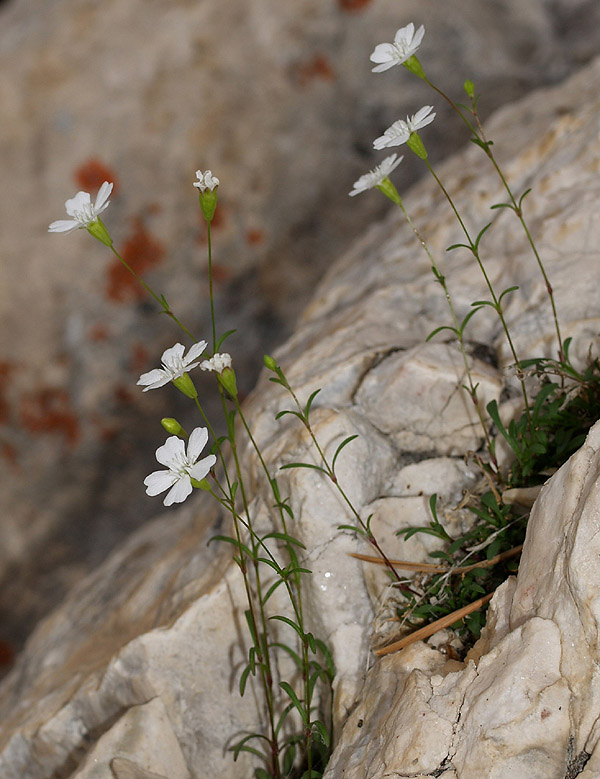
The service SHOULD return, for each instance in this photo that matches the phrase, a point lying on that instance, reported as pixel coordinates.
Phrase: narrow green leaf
(287, 688)
(439, 330)
(284, 537)
(303, 465)
(344, 443)
(289, 622)
(309, 402)
(243, 679)
(354, 529)
(222, 339)
(322, 732)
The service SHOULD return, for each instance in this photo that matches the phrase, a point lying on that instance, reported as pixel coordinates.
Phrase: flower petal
(173, 354)
(78, 203)
(172, 452)
(179, 492)
(159, 481)
(195, 351)
(102, 197)
(202, 468)
(196, 443)
(63, 226)
(153, 379)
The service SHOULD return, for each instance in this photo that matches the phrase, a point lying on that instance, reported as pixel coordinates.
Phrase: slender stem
(479, 133)
(497, 303)
(161, 301)
(295, 595)
(472, 389)
(210, 290)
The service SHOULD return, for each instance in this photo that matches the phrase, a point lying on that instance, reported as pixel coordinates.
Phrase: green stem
(210, 290)
(497, 304)
(161, 301)
(472, 389)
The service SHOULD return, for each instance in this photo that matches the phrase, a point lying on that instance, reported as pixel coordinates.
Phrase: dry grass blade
(432, 568)
(433, 627)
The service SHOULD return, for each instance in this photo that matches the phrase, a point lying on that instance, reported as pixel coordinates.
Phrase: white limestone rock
(163, 618)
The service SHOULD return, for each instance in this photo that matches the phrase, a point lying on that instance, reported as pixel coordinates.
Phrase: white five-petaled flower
(81, 210)
(174, 365)
(375, 177)
(401, 130)
(218, 362)
(182, 467)
(406, 42)
(206, 181)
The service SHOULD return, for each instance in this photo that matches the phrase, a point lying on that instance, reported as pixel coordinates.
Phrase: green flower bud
(99, 231)
(270, 363)
(173, 427)
(469, 88)
(186, 385)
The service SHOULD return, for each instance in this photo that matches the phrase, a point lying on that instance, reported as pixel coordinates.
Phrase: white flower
(376, 176)
(401, 130)
(406, 42)
(218, 363)
(182, 467)
(174, 365)
(81, 210)
(206, 181)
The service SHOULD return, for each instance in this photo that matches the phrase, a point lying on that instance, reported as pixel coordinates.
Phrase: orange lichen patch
(92, 174)
(139, 359)
(220, 274)
(9, 453)
(48, 411)
(254, 237)
(123, 395)
(353, 5)
(141, 252)
(7, 654)
(318, 67)
(6, 369)
(98, 332)
(106, 430)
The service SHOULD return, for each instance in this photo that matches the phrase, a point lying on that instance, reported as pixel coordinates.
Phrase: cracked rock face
(152, 642)
(279, 100)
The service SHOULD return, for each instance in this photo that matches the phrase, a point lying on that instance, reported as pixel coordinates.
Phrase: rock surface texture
(278, 99)
(139, 667)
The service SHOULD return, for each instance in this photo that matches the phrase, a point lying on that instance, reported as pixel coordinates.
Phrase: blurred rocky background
(278, 99)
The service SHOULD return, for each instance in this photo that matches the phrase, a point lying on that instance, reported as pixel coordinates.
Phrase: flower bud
(173, 427)
(270, 363)
(469, 88)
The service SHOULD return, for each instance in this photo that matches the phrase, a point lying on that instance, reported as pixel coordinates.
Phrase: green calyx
(99, 231)
(227, 380)
(413, 64)
(390, 191)
(208, 203)
(416, 145)
(186, 385)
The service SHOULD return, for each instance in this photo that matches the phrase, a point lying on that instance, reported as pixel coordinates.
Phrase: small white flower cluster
(81, 210)
(387, 55)
(206, 181)
(181, 467)
(218, 363)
